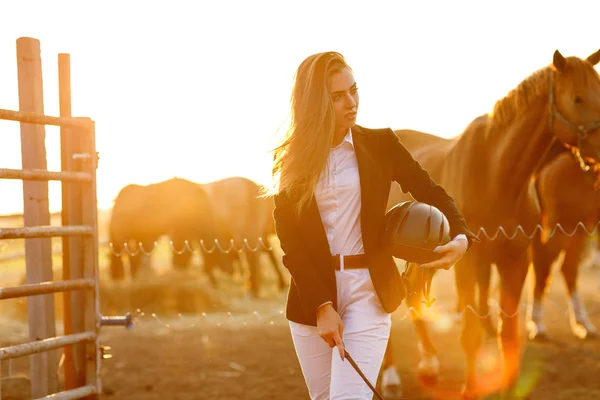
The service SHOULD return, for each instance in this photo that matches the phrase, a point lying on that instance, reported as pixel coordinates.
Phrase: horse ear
(594, 58)
(558, 61)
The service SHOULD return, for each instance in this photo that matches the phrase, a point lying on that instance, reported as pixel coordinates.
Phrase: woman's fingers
(340, 345)
(334, 339)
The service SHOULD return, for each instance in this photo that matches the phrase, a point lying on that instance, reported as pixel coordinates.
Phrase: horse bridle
(582, 131)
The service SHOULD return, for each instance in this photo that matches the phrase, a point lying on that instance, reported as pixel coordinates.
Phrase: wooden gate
(79, 233)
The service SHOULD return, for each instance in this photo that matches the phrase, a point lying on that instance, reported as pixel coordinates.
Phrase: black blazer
(381, 159)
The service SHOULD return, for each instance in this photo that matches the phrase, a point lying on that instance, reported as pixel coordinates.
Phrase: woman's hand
(450, 253)
(331, 327)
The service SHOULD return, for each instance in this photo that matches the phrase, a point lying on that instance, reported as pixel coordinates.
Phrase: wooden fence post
(74, 361)
(38, 252)
(89, 205)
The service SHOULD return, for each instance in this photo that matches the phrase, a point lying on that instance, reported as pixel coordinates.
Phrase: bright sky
(198, 89)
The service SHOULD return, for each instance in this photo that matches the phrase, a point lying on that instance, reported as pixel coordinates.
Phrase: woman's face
(344, 95)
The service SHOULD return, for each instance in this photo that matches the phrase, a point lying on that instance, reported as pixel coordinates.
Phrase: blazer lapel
(313, 229)
(366, 169)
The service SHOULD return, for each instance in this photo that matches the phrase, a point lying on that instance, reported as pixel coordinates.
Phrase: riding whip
(363, 376)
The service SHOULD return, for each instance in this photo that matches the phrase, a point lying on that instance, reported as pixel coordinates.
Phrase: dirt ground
(190, 342)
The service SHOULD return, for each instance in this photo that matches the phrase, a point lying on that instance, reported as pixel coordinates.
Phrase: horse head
(575, 105)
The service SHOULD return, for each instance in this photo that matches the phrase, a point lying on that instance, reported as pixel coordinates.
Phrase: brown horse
(578, 205)
(487, 170)
(243, 214)
(176, 208)
(569, 217)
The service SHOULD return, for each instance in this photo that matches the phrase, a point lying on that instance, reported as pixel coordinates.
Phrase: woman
(332, 181)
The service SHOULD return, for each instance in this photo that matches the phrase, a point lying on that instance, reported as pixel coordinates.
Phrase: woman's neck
(338, 136)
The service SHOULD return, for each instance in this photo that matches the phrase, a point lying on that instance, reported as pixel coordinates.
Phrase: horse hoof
(392, 392)
(585, 331)
(428, 380)
(537, 332)
(428, 369)
(540, 337)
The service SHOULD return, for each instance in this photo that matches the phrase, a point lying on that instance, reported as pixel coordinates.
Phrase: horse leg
(254, 269)
(596, 257)
(470, 337)
(390, 383)
(428, 368)
(210, 262)
(117, 270)
(135, 259)
(484, 277)
(142, 259)
(581, 326)
(181, 261)
(590, 253)
(180, 256)
(512, 276)
(280, 278)
(543, 255)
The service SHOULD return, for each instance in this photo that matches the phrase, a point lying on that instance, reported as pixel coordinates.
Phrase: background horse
(176, 208)
(572, 205)
(487, 170)
(241, 213)
(568, 218)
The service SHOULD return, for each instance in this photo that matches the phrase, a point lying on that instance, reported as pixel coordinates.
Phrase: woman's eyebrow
(342, 91)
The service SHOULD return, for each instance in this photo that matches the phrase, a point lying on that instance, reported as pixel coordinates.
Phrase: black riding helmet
(413, 229)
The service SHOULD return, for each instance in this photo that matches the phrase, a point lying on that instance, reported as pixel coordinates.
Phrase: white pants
(366, 332)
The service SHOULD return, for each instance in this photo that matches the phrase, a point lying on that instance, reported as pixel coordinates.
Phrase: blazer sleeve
(311, 289)
(414, 179)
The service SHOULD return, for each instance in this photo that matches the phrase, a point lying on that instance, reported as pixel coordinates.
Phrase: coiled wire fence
(270, 317)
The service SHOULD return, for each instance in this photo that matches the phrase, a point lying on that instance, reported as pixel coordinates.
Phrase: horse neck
(517, 151)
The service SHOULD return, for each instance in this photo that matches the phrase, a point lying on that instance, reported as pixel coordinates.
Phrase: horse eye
(578, 100)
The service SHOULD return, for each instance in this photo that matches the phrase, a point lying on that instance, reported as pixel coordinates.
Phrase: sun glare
(200, 94)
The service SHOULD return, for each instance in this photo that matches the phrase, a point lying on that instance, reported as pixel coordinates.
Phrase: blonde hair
(302, 153)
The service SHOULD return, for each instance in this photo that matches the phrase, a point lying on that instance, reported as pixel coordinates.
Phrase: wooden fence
(56, 250)
(79, 233)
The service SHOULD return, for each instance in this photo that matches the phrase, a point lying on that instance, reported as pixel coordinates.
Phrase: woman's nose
(350, 100)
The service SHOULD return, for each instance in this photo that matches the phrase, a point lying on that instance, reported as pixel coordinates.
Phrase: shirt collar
(347, 139)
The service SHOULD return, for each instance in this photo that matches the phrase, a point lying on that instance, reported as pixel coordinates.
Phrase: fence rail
(44, 175)
(34, 289)
(10, 217)
(35, 118)
(41, 346)
(45, 231)
(72, 394)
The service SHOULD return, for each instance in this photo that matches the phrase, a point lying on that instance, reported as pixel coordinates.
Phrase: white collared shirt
(339, 201)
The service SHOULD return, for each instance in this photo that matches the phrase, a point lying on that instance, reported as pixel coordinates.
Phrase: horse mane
(518, 100)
